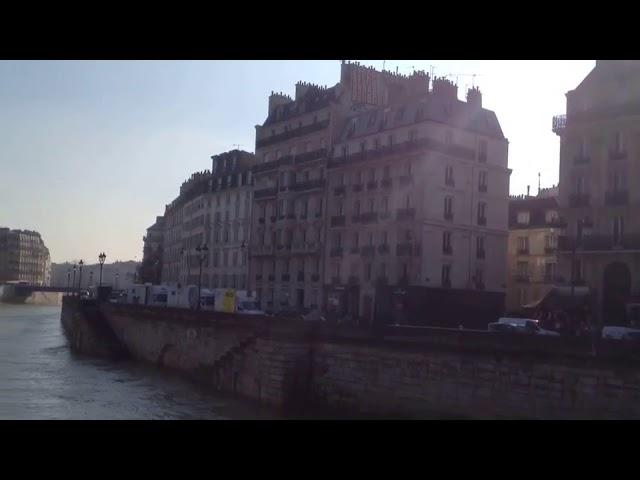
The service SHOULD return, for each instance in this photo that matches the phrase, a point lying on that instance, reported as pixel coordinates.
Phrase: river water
(41, 379)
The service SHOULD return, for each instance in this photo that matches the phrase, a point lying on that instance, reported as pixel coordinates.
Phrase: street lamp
(202, 253)
(74, 276)
(101, 258)
(81, 263)
(244, 247)
(91, 277)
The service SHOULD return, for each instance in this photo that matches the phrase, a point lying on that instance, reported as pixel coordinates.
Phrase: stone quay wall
(399, 372)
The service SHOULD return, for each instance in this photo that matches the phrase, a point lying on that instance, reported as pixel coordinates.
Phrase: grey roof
(455, 113)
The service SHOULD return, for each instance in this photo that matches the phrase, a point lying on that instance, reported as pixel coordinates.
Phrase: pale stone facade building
(418, 195)
(600, 186)
(534, 229)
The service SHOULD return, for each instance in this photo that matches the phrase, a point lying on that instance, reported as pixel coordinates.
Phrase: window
(234, 261)
(376, 143)
(356, 240)
(619, 142)
(340, 209)
(618, 229)
(390, 140)
(550, 242)
(356, 207)
(523, 244)
(371, 239)
(551, 216)
(482, 182)
(368, 272)
(446, 275)
(407, 201)
(225, 258)
(385, 204)
(385, 172)
(372, 174)
(446, 243)
(363, 146)
(523, 218)
(345, 151)
(480, 247)
(479, 277)
(383, 270)
(448, 208)
(383, 238)
(371, 204)
(482, 213)
(413, 135)
(407, 169)
(549, 271)
(448, 176)
(579, 185)
(617, 182)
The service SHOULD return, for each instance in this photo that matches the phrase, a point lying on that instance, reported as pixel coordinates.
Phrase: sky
(92, 151)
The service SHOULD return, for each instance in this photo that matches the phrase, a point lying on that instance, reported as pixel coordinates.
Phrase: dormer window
(523, 218)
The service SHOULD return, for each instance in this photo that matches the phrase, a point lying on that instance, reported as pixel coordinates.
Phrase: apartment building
(534, 229)
(213, 210)
(24, 257)
(600, 186)
(151, 266)
(418, 197)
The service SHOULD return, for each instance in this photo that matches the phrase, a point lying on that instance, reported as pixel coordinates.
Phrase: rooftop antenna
(538, 183)
(384, 62)
(237, 145)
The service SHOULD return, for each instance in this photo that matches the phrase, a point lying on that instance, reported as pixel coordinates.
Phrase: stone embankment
(399, 372)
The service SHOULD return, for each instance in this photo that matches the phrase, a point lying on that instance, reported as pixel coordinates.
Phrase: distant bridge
(22, 290)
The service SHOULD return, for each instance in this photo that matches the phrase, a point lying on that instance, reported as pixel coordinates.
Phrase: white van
(620, 333)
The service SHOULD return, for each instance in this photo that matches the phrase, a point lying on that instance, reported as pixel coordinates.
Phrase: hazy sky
(91, 151)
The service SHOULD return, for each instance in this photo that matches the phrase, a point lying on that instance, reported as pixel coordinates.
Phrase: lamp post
(91, 278)
(202, 253)
(68, 278)
(81, 263)
(244, 247)
(101, 258)
(74, 276)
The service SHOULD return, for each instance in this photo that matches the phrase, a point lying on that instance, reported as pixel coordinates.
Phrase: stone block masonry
(313, 367)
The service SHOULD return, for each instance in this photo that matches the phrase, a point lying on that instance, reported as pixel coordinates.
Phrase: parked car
(520, 325)
(621, 333)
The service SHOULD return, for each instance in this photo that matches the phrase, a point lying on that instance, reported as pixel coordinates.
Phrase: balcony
(272, 165)
(341, 190)
(285, 277)
(448, 216)
(617, 155)
(291, 216)
(522, 277)
(403, 214)
(336, 252)
(310, 156)
(368, 251)
(579, 200)
(260, 250)
(386, 183)
(559, 123)
(550, 250)
(357, 187)
(407, 249)
(600, 243)
(581, 159)
(523, 251)
(372, 185)
(383, 249)
(338, 221)
(308, 185)
(295, 132)
(617, 197)
(315, 277)
(364, 218)
(265, 193)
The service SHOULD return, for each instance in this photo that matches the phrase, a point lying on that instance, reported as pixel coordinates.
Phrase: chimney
(528, 188)
(474, 98)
